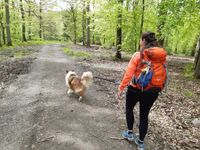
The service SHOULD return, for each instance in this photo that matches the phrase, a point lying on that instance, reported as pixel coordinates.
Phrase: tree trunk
(7, 12)
(2, 28)
(193, 50)
(15, 16)
(84, 22)
(93, 18)
(127, 5)
(161, 21)
(88, 24)
(135, 4)
(197, 60)
(3, 33)
(29, 22)
(142, 20)
(161, 40)
(0, 40)
(74, 18)
(176, 48)
(23, 22)
(119, 31)
(40, 21)
(165, 42)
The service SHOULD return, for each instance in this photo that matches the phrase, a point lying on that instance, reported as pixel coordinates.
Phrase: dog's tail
(87, 78)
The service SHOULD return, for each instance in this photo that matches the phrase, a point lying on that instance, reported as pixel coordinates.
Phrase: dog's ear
(66, 71)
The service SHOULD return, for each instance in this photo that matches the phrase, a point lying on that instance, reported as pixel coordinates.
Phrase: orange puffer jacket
(130, 70)
(158, 56)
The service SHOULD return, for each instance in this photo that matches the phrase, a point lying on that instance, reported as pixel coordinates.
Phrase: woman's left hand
(119, 95)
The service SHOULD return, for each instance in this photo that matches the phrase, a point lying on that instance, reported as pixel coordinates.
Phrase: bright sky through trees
(55, 5)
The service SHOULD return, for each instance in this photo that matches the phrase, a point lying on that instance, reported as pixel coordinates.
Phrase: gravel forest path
(37, 114)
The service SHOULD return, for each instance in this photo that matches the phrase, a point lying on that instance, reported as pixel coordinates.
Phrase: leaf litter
(171, 117)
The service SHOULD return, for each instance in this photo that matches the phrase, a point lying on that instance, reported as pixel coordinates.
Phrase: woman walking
(145, 77)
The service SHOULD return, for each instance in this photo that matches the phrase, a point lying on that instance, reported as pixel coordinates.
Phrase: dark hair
(150, 39)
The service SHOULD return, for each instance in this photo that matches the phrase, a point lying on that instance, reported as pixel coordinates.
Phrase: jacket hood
(156, 54)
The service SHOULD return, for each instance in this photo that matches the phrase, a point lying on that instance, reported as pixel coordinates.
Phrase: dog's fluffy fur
(76, 84)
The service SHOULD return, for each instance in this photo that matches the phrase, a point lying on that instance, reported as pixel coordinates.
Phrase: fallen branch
(102, 140)
(109, 80)
(46, 139)
(117, 138)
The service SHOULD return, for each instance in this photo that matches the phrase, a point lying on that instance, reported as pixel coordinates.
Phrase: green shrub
(188, 70)
(20, 52)
(76, 53)
(188, 93)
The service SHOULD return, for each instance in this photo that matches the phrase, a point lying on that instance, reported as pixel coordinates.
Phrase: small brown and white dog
(78, 85)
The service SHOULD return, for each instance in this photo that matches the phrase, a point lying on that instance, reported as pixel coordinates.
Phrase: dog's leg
(80, 98)
(69, 92)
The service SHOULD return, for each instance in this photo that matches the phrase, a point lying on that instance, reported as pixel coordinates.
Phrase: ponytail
(150, 39)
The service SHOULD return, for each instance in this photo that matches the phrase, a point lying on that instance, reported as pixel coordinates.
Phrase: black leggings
(146, 100)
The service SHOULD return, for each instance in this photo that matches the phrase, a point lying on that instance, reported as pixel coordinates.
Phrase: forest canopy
(108, 23)
(176, 22)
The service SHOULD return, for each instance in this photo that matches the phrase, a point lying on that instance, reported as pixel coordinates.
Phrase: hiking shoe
(140, 144)
(128, 135)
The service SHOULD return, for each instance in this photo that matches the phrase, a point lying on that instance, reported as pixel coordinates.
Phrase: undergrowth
(76, 53)
(188, 70)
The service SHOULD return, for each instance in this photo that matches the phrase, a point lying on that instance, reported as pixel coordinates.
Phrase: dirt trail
(37, 114)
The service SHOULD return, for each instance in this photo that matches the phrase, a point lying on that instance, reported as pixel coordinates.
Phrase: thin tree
(29, 22)
(74, 18)
(7, 12)
(40, 20)
(88, 24)
(1, 18)
(119, 30)
(142, 19)
(2, 32)
(15, 16)
(197, 60)
(23, 22)
(0, 40)
(83, 22)
(134, 5)
(161, 21)
(93, 27)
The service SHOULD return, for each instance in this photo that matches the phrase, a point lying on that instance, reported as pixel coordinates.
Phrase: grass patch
(188, 70)
(73, 53)
(2, 58)
(188, 94)
(37, 42)
(33, 42)
(21, 49)
(18, 53)
(22, 53)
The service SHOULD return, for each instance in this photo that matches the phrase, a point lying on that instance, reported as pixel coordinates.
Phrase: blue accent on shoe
(128, 135)
(140, 145)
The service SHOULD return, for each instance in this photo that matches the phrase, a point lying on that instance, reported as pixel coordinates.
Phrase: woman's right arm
(130, 70)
